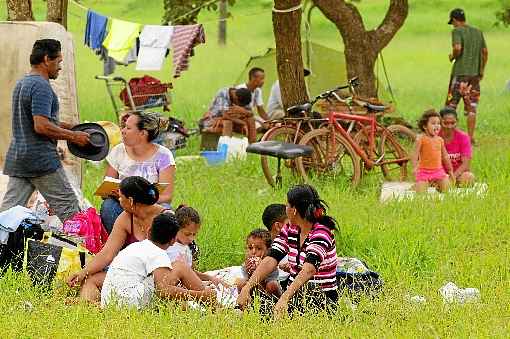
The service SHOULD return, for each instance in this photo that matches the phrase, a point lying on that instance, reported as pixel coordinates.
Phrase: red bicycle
(300, 120)
(339, 155)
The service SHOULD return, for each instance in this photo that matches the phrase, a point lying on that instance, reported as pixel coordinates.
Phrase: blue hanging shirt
(95, 30)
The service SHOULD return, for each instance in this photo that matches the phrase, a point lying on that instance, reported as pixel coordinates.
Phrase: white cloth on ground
(230, 275)
(399, 191)
(129, 280)
(11, 219)
(180, 252)
(154, 41)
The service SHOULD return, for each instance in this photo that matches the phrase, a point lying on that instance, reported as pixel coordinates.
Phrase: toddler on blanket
(258, 244)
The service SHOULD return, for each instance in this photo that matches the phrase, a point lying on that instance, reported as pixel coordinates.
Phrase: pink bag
(88, 224)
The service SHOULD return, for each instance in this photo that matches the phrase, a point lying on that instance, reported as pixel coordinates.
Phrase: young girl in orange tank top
(430, 154)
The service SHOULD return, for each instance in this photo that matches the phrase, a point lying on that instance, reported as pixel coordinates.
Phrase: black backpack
(11, 254)
(355, 284)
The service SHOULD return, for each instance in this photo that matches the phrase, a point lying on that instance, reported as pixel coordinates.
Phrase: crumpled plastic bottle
(451, 293)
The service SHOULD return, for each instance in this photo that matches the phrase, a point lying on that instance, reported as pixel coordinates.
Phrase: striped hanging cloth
(184, 39)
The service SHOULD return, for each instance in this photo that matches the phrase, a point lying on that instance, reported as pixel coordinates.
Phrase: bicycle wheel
(391, 149)
(270, 164)
(405, 136)
(340, 164)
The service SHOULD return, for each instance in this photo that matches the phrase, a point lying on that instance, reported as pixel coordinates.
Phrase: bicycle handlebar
(354, 82)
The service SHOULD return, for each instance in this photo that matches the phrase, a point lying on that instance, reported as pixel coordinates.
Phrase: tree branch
(343, 14)
(394, 19)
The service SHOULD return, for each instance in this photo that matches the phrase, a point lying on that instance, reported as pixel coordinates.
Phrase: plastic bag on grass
(46, 262)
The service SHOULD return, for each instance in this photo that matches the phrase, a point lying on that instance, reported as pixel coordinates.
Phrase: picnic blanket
(404, 190)
(231, 275)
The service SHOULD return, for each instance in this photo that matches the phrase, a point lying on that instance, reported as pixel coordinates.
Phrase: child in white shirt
(180, 251)
(143, 269)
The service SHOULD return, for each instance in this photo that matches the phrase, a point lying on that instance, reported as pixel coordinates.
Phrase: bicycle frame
(370, 121)
(295, 123)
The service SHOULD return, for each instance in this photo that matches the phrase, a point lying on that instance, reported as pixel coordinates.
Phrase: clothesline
(119, 41)
(182, 16)
(176, 19)
(79, 5)
(182, 42)
(196, 9)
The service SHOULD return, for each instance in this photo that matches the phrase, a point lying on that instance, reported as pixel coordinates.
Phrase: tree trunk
(286, 27)
(19, 10)
(360, 58)
(222, 26)
(57, 12)
(361, 46)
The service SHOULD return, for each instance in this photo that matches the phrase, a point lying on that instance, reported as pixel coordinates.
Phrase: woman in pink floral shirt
(458, 146)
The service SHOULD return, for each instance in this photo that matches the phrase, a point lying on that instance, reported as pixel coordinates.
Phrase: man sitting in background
(274, 103)
(255, 82)
(228, 109)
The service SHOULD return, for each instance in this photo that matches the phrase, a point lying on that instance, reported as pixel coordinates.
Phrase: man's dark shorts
(470, 99)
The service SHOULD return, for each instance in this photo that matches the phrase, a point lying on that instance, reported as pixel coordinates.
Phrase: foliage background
(417, 246)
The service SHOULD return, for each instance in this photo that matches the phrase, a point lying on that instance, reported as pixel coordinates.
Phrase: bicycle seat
(375, 108)
(299, 109)
(279, 149)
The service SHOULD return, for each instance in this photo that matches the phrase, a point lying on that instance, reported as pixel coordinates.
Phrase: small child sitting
(143, 269)
(184, 248)
(430, 154)
(258, 244)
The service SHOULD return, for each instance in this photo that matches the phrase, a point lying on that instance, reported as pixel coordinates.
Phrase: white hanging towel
(154, 41)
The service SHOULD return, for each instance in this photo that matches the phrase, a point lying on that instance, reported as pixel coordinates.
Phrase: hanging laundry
(95, 29)
(121, 38)
(109, 64)
(154, 41)
(184, 38)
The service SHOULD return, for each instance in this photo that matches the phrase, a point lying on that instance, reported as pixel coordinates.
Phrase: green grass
(417, 246)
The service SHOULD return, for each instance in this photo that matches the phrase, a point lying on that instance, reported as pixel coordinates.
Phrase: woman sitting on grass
(430, 154)
(143, 269)
(458, 147)
(137, 155)
(310, 244)
(138, 198)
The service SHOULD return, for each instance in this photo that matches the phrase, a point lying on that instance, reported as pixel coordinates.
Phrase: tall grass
(417, 246)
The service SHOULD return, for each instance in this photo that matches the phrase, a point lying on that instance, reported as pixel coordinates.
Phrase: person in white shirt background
(256, 77)
(274, 103)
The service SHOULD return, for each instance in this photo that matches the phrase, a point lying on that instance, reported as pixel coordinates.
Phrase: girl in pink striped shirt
(309, 242)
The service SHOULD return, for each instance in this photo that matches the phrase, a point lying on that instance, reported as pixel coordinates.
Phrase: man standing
(32, 161)
(469, 54)
(256, 77)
